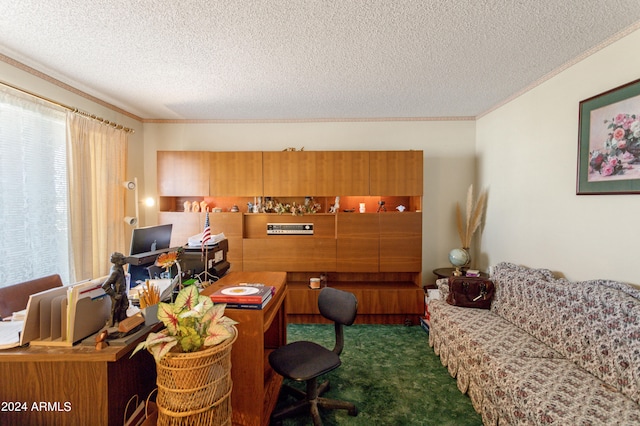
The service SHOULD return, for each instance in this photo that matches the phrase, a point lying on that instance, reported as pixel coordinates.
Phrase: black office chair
(306, 361)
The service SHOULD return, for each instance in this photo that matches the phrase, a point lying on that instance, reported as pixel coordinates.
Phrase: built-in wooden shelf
(376, 254)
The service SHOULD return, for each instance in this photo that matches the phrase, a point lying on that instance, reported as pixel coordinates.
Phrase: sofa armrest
(443, 286)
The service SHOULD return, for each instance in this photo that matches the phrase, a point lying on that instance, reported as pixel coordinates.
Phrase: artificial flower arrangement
(192, 321)
(167, 260)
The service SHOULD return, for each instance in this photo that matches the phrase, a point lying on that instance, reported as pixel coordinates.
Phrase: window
(34, 236)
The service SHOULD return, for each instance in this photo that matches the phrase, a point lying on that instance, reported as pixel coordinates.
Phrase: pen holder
(150, 314)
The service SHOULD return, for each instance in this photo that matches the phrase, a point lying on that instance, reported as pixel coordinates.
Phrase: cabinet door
(291, 254)
(342, 173)
(401, 242)
(183, 173)
(396, 172)
(357, 242)
(289, 173)
(235, 174)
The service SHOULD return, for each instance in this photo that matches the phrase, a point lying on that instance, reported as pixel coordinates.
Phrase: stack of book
(244, 296)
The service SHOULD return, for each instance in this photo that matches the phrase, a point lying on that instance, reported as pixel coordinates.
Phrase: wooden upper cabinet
(342, 173)
(235, 174)
(395, 172)
(289, 173)
(183, 173)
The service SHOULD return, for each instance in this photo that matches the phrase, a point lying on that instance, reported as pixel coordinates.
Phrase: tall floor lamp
(132, 185)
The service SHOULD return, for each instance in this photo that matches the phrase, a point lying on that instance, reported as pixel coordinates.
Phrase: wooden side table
(447, 272)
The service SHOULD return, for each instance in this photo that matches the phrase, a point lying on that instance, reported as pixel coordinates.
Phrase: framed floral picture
(609, 142)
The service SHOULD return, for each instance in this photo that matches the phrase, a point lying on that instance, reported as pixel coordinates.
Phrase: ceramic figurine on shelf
(335, 208)
(187, 206)
(195, 207)
(116, 287)
(203, 206)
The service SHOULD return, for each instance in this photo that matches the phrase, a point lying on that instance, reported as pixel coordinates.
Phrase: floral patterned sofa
(549, 351)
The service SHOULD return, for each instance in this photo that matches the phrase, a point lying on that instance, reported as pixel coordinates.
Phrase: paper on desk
(165, 287)
(10, 334)
(196, 240)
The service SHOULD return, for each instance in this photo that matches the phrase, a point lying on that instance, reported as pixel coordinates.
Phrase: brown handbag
(470, 292)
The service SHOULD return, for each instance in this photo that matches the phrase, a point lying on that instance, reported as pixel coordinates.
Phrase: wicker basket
(195, 388)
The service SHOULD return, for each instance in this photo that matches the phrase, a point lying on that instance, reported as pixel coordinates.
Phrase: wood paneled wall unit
(396, 172)
(234, 174)
(358, 243)
(183, 173)
(342, 173)
(378, 256)
(289, 173)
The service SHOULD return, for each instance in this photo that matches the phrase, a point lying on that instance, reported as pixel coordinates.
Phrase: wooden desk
(72, 386)
(259, 332)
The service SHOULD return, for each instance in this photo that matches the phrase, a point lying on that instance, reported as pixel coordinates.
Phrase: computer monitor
(143, 240)
(150, 238)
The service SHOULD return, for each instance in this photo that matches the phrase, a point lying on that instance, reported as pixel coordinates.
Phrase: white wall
(527, 154)
(448, 159)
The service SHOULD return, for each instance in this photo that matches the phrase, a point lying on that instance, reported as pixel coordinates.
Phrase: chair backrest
(341, 307)
(15, 297)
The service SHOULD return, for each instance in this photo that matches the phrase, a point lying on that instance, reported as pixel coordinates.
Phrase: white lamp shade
(129, 184)
(130, 220)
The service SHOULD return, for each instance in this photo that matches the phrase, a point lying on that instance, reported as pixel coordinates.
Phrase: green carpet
(391, 374)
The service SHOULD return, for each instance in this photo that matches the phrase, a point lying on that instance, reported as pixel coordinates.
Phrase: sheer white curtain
(97, 157)
(33, 190)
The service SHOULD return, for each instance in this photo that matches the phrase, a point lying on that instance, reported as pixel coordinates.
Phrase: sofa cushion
(530, 391)
(463, 337)
(601, 333)
(595, 324)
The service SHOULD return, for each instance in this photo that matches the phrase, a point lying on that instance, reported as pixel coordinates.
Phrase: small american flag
(206, 234)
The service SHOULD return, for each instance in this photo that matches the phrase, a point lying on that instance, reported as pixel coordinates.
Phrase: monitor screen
(150, 238)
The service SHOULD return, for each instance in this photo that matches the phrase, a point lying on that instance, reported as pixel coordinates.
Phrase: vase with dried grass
(467, 226)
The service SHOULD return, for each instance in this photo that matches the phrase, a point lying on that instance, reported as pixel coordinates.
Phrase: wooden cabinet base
(378, 303)
(394, 319)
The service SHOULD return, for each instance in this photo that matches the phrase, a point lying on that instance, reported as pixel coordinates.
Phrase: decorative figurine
(116, 287)
(335, 208)
(187, 206)
(203, 206)
(195, 207)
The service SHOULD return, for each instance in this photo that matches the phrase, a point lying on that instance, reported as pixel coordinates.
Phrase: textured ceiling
(270, 59)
